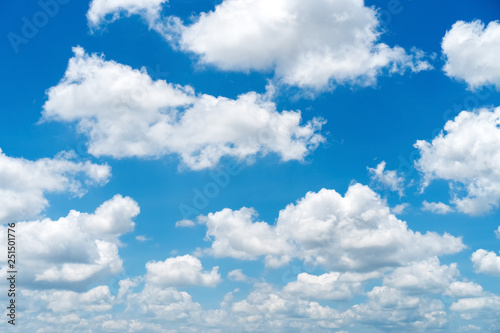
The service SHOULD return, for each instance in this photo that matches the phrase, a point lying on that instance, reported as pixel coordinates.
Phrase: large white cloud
(181, 271)
(460, 289)
(96, 299)
(125, 113)
(391, 309)
(466, 155)
(235, 234)
(354, 232)
(486, 262)
(328, 286)
(24, 183)
(75, 250)
(471, 51)
(427, 276)
(309, 44)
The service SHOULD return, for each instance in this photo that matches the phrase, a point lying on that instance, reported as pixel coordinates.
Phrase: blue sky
(252, 166)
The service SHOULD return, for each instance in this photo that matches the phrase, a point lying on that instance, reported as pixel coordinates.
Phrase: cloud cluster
(75, 250)
(312, 44)
(125, 113)
(466, 155)
(355, 232)
(486, 262)
(471, 51)
(180, 271)
(24, 183)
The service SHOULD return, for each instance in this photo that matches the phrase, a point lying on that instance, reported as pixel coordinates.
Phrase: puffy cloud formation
(235, 234)
(388, 178)
(393, 309)
(423, 276)
(464, 289)
(96, 299)
(125, 113)
(486, 262)
(180, 271)
(436, 207)
(24, 183)
(328, 286)
(310, 44)
(237, 275)
(471, 51)
(354, 232)
(165, 303)
(466, 154)
(100, 9)
(77, 249)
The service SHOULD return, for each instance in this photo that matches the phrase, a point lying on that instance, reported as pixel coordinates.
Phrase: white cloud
(391, 308)
(76, 249)
(486, 262)
(400, 209)
(185, 224)
(100, 9)
(354, 232)
(181, 270)
(489, 302)
(266, 308)
(309, 44)
(24, 183)
(427, 276)
(497, 232)
(125, 113)
(436, 207)
(142, 238)
(165, 303)
(234, 234)
(328, 286)
(466, 155)
(464, 289)
(96, 299)
(388, 178)
(237, 275)
(470, 50)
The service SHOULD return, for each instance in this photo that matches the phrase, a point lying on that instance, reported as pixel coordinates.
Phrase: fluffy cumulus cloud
(471, 52)
(125, 113)
(180, 271)
(96, 299)
(237, 275)
(436, 207)
(328, 286)
(387, 178)
(110, 10)
(24, 183)
(466, 155)
(486, 262)
(423, 276)
(354, 232)
(309, 44)
(235, 234)
(75, 250)
(460, 289)
(393, 310)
